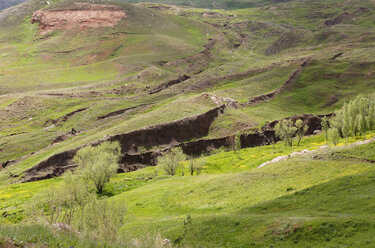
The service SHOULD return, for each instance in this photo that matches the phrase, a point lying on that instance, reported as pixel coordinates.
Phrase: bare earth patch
(81, 15)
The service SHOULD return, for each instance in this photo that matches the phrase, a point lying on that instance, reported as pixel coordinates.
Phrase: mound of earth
(81, 15)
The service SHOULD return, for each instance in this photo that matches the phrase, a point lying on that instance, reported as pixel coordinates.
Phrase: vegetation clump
(98, 164)
(171, 161)
(196, 166)
(356, 116)
(75, 206)
(286, 131)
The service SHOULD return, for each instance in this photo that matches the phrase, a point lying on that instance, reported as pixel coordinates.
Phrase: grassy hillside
(166, 66)
(9, 3)
(45, 77)
(322, 201)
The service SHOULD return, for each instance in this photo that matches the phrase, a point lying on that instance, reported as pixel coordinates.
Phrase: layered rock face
(81, 15)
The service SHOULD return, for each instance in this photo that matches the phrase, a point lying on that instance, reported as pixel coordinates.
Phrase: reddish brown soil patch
(81, 15)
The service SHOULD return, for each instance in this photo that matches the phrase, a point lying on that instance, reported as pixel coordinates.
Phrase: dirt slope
(82, 15)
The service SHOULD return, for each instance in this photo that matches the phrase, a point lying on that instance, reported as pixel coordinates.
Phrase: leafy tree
(301, 129)
(64, 204)
(97, 164)
(237, 142)
(363, 113)
(325, 127)
(103, 218)
(358, 115)
(171, 161)
(371, 117)
(335, 135)
(196, 166)
(285, 130)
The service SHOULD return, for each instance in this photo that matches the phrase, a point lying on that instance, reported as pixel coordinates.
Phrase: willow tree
(301, 129)
(97, 164)
(285, 130)
(325, 127)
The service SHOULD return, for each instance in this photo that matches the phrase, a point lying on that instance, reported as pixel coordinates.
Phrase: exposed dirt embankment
(291, 80)
(81, 15)
(63, 118)
(179, 79)
(253, 138)
(173, 134)
(120, 112)
(170, 134)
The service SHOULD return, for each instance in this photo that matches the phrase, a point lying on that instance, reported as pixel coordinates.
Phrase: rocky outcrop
(81, 15)
(219, 100)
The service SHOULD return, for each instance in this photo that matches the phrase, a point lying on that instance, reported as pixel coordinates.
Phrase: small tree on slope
(285, 131)
(325, 128)
(171, 161)
(301, 129)
(98, 164)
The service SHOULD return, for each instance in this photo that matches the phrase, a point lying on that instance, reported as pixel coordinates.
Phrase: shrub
(237, 142)
(171, 161)
(285, 131)
(334, 135)
(355, 116)
(104, 219)
(301, 129)
(196, 166)
(325, 128)
(62, 204)
(97, 164)
(76, 207)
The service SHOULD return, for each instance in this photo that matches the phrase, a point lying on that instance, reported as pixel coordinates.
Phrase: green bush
(97, 164)
(170, 162)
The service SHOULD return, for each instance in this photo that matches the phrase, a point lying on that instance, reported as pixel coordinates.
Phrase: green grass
(322, 201)
(100, 60)
(288, 204)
